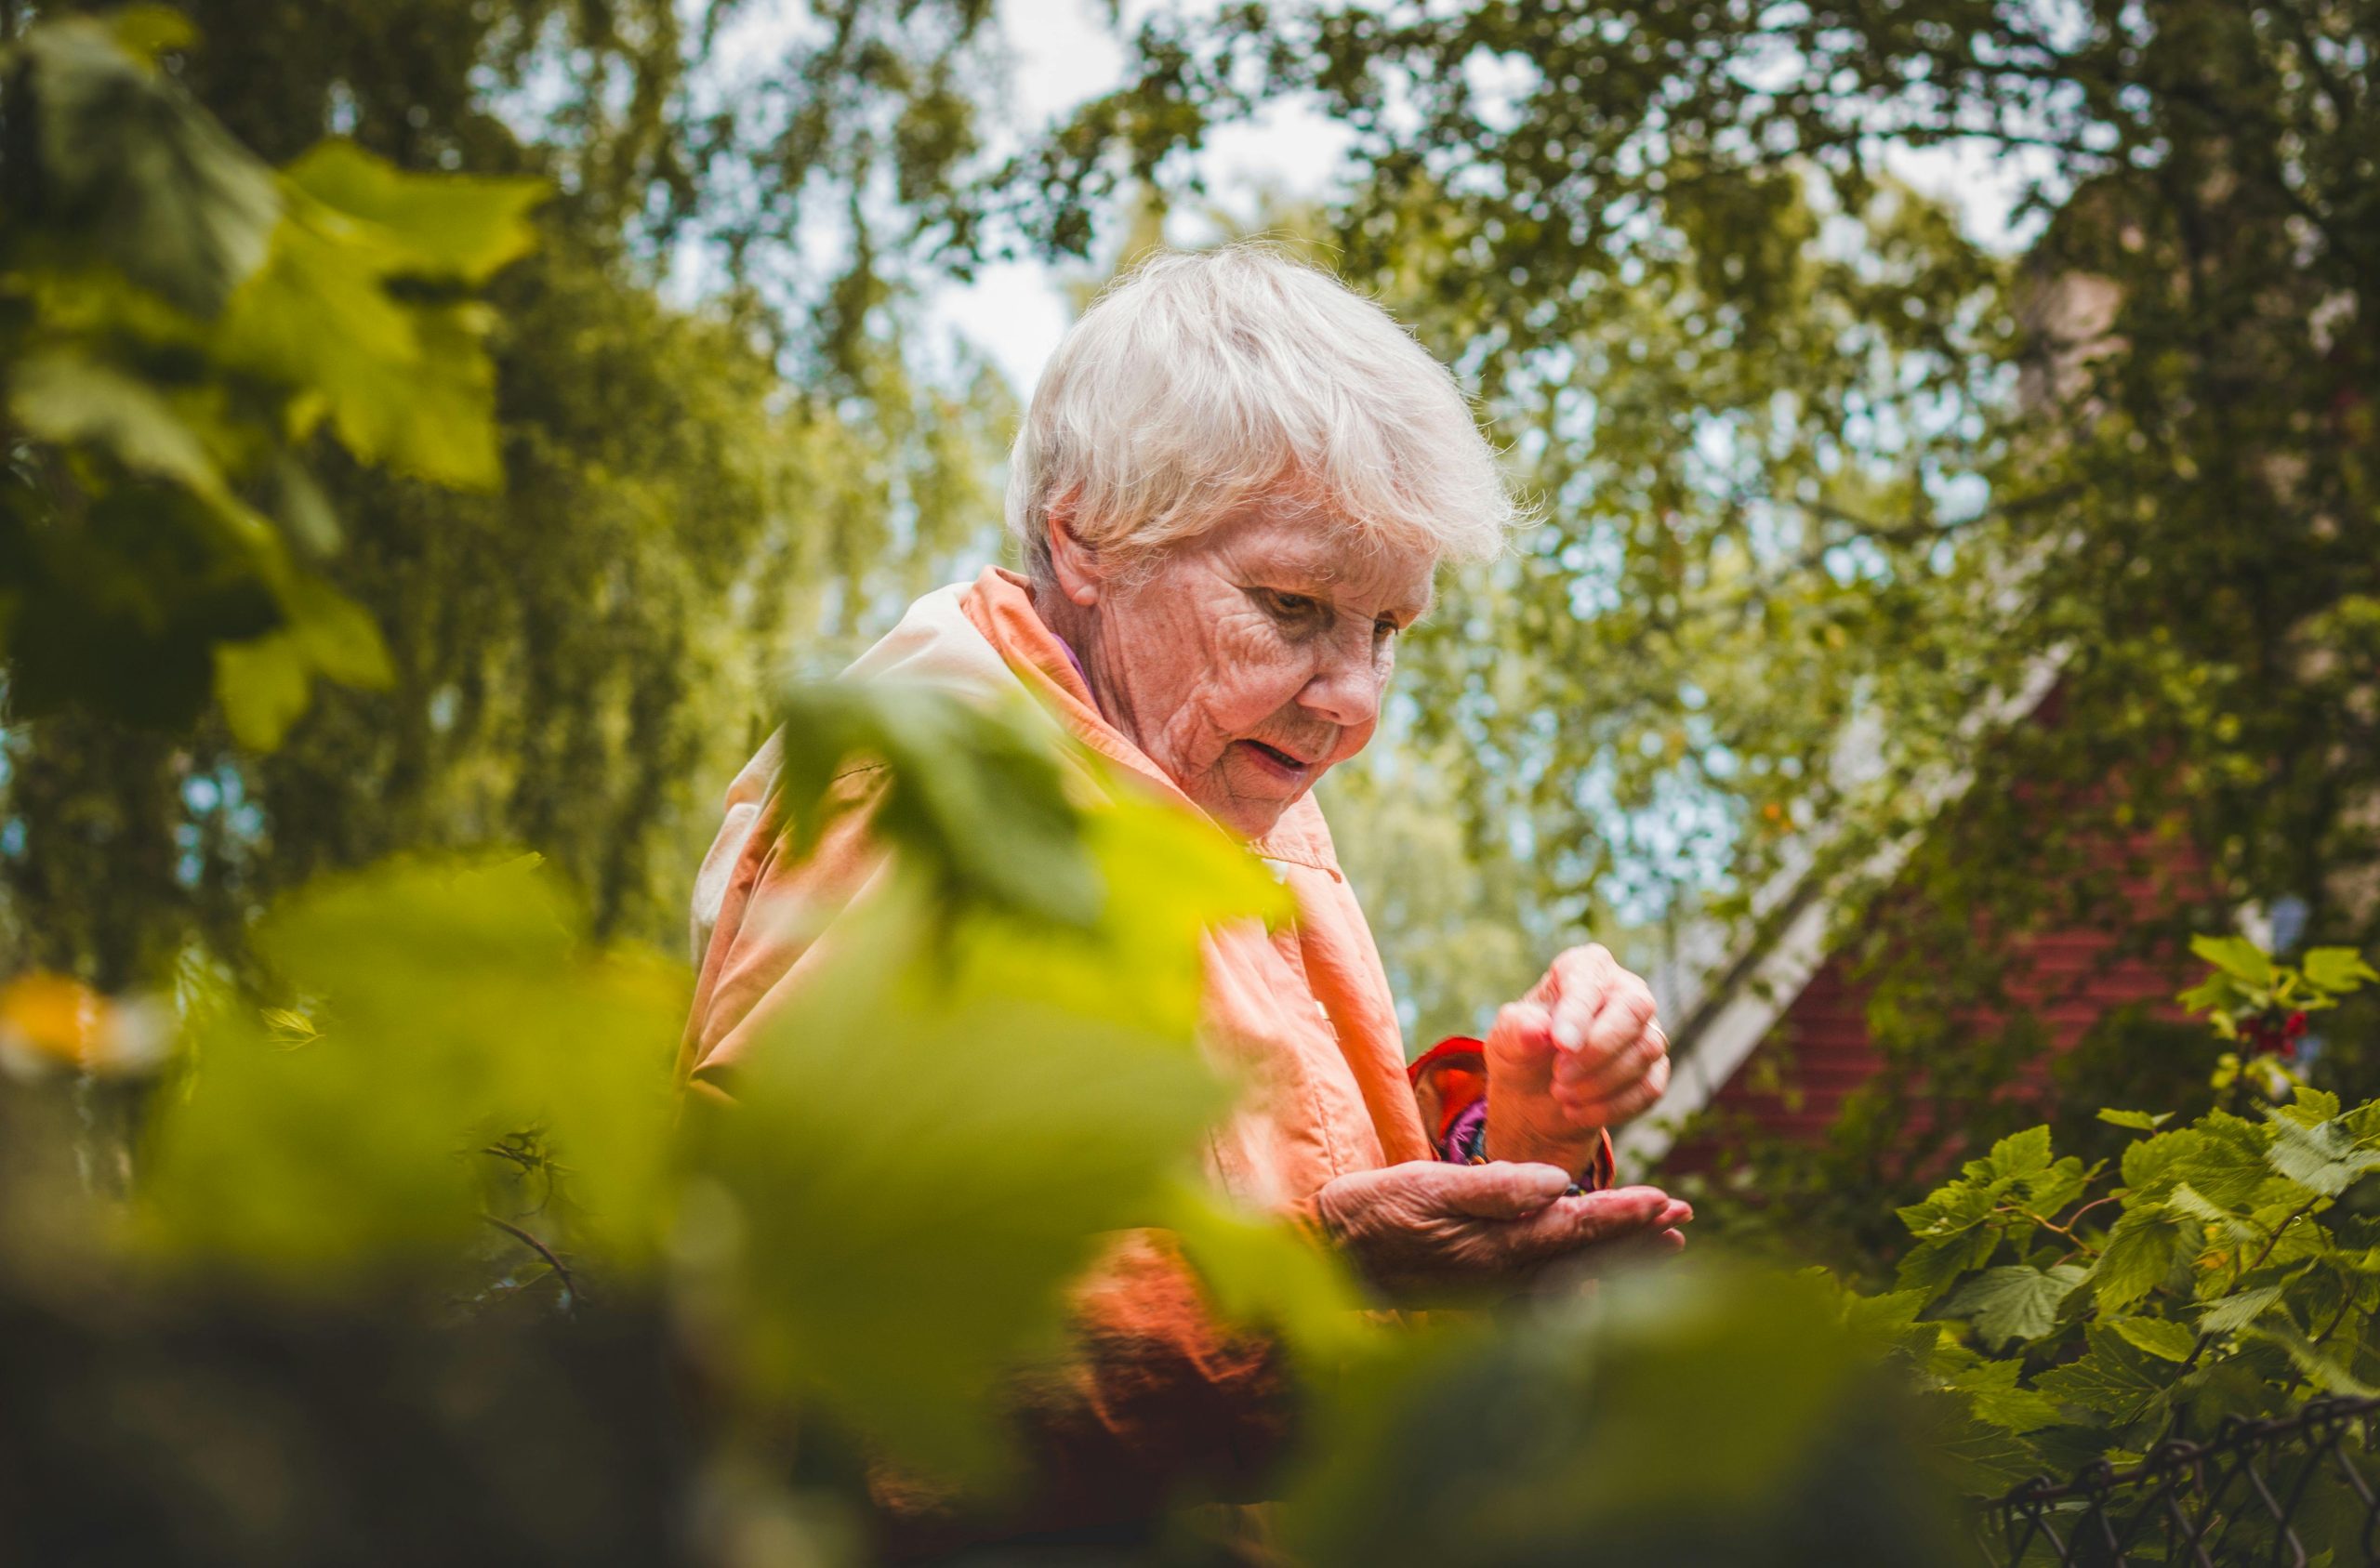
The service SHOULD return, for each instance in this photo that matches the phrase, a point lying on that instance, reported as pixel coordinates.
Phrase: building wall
(1819, 1052)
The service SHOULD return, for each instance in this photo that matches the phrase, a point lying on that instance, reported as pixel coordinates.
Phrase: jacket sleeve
(1154, 1397)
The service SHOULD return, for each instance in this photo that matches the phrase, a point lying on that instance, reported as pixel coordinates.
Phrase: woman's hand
(1579, 1053)
(1420, 1230)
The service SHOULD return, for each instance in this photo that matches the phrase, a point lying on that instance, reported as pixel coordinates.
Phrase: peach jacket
(1305, 1013)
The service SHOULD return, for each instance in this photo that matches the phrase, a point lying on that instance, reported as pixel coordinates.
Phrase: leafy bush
(2228, 1268)
(177, 322)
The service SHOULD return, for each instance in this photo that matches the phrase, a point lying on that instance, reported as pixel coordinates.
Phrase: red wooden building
(1774, 1027)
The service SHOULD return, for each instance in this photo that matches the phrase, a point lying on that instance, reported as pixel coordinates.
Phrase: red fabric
(1455, 1071)
(1451, 1077)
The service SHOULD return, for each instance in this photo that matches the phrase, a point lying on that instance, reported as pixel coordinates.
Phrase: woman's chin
(1249, 816)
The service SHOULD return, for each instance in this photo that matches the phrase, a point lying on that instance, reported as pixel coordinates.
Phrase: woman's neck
(1075, 627)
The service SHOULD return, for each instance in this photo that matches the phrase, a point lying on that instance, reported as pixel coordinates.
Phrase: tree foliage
(580, 660)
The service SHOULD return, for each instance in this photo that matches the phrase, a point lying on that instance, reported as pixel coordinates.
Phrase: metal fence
(2298, 1490)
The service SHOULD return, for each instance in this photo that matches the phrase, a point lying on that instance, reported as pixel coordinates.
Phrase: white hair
(1200, 385)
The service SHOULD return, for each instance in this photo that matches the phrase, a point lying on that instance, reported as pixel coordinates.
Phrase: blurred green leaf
(64, 397)
(2321, 1368)
(2228, 1315)
(916, 1175)
(1262, 1272)
(1682, 1414)
(432, 227)
(146, 32)
(2139, 1121)
(2324, 1158)
(404, 382)
(924, 1154)
(169, 199)
(975, 799)
(2236, 956)
(265, 683)
(2338, 968)
(456, 1008)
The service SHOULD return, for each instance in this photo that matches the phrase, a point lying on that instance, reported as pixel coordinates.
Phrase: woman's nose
(1345, 689)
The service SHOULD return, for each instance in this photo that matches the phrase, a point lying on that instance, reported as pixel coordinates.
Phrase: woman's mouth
(1276, 760)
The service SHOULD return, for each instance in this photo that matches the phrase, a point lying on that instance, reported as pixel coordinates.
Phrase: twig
(562, 1270)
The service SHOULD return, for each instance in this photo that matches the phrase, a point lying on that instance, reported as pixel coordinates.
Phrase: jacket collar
(999, 606)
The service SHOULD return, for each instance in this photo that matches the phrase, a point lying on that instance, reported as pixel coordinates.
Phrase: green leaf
(2322, 1159)
(407, 383)
(2236, 956)
(433, 226)
(1031, 1086)
(2339, 969)
(2189, 1202)
(264, 683)
(456, 1009)
(2020, 1153)
(2138, 1256)
(2217, 995)
(2161, 1337)
(2015, 1302)
(2231, 1313)
(973, 799)
(1953, 1236)
(2111, 1376)
(64, 397)
(892, 1265)
(2309, 1358)
(1992, 1391)
(146, 32)
(2049, 1191)
(1985, 1459)
(1263, 1273)
(2139, 1121)
(2310, 1107)
(158, 189)
(2221, 1155)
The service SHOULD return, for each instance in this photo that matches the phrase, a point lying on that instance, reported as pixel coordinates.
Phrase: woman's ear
(1073, 562)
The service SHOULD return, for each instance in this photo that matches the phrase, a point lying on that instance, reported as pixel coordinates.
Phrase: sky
(1064, 52)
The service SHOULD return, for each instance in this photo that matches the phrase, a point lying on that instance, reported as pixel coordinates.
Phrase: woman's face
(1249, 661)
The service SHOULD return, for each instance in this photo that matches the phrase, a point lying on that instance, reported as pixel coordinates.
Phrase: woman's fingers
(1621, 1104)
(1626, 1063)
(1577, 983)
(1623, 1012)
(1624, 1020)
(1589, 1219)
(1524, 1024)
(1501, 1190)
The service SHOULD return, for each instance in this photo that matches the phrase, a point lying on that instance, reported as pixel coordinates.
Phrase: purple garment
(1468, 1133)
(1068, 649)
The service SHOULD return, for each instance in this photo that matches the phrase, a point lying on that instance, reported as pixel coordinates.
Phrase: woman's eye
(1383, 630)
(1292, 603)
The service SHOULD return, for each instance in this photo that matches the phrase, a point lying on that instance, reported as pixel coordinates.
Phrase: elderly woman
(1232, 491)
